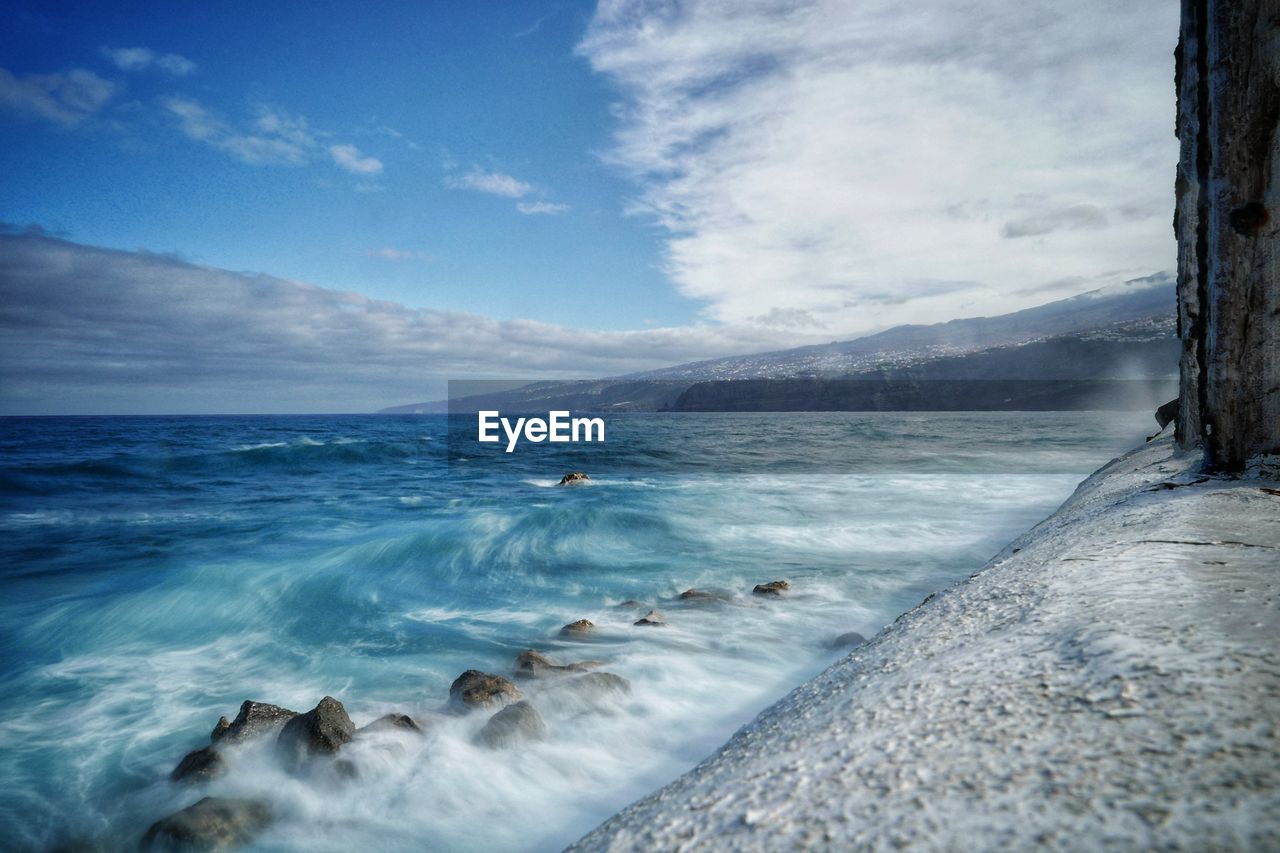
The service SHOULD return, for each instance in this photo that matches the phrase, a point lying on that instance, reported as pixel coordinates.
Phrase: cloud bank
(92, 330)
(822, 158)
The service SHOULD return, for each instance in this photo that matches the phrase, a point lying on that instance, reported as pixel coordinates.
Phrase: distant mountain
(1122, 332)
(587, 395)
(1143, 307)
(925, 395)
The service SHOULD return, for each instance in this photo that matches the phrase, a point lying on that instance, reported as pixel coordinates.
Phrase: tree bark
(1228, 227)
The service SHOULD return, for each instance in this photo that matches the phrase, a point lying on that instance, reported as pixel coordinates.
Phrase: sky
(337, 207)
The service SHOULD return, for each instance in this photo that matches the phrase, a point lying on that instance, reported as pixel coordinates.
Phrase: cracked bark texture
(1228, 227)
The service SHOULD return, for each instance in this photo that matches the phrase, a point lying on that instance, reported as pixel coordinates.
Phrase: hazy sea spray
(159, 571)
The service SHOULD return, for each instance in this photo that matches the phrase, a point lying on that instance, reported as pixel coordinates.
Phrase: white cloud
(65, 98)
(1073, 217)
(142, 58)
(498, 183)
(349, 158)
(494, 183)
(273, 147)
(826, 156)
(269, 150)
(545, 208)
(91, 329)
(129, 58)
(179, 66)
(273, 138)
(292, 128)
(390, 253)
(195, 120)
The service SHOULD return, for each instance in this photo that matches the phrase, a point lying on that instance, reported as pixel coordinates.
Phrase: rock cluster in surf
(310, 744)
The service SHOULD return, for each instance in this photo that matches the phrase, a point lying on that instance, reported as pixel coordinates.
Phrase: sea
(158, 571)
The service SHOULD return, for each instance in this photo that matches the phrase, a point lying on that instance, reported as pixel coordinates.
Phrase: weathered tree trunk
(1228, 228)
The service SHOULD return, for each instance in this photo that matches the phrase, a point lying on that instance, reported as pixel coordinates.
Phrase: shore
(1110, 679)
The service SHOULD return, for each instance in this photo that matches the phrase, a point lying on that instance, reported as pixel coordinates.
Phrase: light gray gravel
(1110, 680)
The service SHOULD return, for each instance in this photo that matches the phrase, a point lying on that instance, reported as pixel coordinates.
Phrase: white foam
(263, 446)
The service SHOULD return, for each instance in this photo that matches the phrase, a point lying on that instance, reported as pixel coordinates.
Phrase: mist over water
(159, 571)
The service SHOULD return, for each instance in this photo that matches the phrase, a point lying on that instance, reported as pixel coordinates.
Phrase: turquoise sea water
(159, 571)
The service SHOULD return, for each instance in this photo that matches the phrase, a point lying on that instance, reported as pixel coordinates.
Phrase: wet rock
(199, 765)
(512, 725)
(476, 689)
(594, 685)
(695, 597)
(255, 718)
(214, 823)
(322, 730)
(848, 640)
(574, 478)
(533, 664)
(630, 604)
(1168, 413)
(392, 722)
(577, 629)
(772, 588)
(653, 617)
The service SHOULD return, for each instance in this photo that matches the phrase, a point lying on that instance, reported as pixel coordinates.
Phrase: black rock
(533, 664)
(255, 718)
(322, 730)
(573, 478)
(219, 730)
(695, 597)
(214, 823)
(848, 640)
(476, 689)
(392, 722)
(772, 588)
(653, 617)
(199, 765)
(1167, 413)
(577, 629)
(512, 725)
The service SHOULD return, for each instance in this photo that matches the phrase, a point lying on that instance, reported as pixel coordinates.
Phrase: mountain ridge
(1126, 330)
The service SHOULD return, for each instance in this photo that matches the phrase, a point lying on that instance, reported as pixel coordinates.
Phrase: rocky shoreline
(1109, 680)
(310, 745)
(1074, 685)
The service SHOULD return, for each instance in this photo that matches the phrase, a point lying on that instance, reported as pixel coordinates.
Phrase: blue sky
(482, 189)
(433, 92)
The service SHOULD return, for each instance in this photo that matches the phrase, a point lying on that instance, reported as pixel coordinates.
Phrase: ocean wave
(171, 569)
